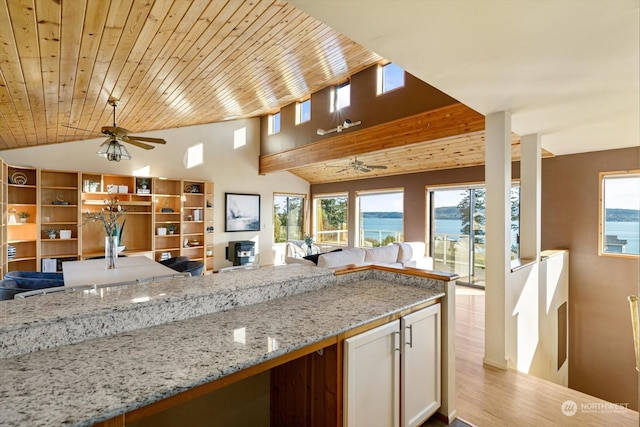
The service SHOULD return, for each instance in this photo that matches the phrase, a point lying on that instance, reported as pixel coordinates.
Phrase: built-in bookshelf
(58, 219)
(44, 217)
(22, 219)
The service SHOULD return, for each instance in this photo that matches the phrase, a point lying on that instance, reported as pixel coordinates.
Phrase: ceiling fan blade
(148, 139)
(363, 169)
(343, 170)
(375, 166)
(132, 141)
(85, 130)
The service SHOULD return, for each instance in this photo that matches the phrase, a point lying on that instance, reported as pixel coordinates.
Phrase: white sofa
(408, 254)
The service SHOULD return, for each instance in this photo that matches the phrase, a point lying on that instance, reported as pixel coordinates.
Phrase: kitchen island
(115, 354)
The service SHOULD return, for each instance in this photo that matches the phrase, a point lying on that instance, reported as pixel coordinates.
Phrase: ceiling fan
(360, 166)
(345, 125)
(111, 149)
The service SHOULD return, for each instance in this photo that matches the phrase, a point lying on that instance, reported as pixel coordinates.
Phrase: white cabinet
(420, 365)
(392, 372)
(371, 371)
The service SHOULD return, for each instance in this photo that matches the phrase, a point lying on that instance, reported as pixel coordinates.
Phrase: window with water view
(620, 211)
(380, 218)
(458, 231)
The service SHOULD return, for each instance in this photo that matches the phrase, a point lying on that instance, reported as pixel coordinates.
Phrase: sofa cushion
(344, 257)
(411, 251)
(383, 254)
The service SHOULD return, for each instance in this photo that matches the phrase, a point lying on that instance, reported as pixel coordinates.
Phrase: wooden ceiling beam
(453, 120)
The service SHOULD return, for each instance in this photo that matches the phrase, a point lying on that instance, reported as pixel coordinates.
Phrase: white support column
(530, 194)
(498, 234)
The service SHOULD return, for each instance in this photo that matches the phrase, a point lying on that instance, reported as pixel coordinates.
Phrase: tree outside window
(288, 217)
(331, 220)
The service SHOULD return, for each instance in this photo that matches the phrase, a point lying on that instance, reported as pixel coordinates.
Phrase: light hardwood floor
(489, 397)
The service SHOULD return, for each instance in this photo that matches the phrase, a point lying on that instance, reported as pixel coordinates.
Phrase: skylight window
(390, 77)
(274, 123)
(303, 111)
(340, 96)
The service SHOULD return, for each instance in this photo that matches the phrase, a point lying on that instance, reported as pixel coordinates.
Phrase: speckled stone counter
(253, 316)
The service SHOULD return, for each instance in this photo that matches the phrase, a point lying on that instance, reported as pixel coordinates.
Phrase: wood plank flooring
(490, 397)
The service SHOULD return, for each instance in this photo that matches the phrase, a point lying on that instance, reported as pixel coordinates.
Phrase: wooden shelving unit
(59, 218)
(193, 233)
(22, 234)
(57, 201)
(167, 211)
(208, 227)
(136, 236)
(3, 220)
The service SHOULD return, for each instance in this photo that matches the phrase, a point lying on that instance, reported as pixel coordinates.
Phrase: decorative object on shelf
(18, 178)
(109, 216)
(192, 188)
(24, 216)
(209, 204)
(90, 186)
(194, 243)
(142, 186)
(51, 233)
(210, 229)
(11, 252)
(209, 252)
(65, 234)
(308, 240)
(12, 217)
(185, 244)
(162, 231)
(171, 228)
(166, 206)
(59, 200)
(242, 212)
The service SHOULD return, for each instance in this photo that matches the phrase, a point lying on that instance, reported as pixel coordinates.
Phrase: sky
(623, 193)
(391, 202)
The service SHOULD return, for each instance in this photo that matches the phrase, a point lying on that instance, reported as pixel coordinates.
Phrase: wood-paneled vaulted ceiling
(171, 63)
(176, 63)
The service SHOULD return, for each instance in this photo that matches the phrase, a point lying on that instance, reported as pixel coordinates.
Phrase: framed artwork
(242, 212)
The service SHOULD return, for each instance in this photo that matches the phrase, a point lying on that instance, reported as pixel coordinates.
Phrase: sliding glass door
(457, 230)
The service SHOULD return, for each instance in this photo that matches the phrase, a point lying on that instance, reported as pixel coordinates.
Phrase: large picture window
(288, 217)
(380, 217)
(331, 219)
(620, 213)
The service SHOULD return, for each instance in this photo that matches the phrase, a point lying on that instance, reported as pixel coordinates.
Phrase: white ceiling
(566, 69)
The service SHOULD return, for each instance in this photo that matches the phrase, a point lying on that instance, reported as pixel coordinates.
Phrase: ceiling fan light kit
(345, 125)
(113, 151)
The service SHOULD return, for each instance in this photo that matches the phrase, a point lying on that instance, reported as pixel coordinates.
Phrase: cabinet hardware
(396, 340)
(410, 342)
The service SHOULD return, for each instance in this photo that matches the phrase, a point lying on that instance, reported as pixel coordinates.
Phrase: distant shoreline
(452, 212)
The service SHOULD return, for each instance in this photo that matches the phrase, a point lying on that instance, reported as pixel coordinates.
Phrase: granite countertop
(90, 381)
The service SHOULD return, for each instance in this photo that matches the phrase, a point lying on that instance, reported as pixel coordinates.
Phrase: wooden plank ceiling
(176, 63)
(171, 63)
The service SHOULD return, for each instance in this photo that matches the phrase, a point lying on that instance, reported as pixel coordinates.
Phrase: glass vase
(110, 251)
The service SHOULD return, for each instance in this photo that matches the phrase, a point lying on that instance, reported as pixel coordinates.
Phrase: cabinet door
(371, 386)
(420, 365)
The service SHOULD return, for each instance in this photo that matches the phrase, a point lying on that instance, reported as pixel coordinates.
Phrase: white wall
(534, 295)
(232, 169)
